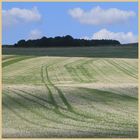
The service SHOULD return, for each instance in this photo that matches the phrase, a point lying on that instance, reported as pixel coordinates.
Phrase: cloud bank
(99, 16)
(17, 15)
(123, 37)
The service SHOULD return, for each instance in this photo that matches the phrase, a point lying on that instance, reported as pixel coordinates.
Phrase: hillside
(70, 92)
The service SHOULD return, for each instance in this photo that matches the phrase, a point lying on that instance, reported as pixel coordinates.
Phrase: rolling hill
(89, 92)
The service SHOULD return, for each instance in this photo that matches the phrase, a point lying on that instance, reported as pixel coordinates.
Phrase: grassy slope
(47, 96)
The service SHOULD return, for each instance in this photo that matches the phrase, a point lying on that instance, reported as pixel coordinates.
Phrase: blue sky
(31, 20)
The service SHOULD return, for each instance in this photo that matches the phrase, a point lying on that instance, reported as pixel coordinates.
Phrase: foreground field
(53, 96)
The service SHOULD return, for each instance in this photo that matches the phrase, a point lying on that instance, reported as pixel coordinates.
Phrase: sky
(88, 20)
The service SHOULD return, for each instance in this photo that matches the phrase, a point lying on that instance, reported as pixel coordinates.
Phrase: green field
(70, 92)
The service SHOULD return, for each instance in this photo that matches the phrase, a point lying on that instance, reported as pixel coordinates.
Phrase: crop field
(64, 93)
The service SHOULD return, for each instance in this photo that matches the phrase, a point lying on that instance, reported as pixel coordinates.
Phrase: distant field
(70, 92)
(127, 51)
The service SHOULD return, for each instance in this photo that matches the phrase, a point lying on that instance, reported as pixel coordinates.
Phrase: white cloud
(128, 37)
(99, 16)
(17, 15)
(35, 34)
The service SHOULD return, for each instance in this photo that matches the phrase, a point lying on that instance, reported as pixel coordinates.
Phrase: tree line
(64, 41)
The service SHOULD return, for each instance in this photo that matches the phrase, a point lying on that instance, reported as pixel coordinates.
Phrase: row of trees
(63, 41)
